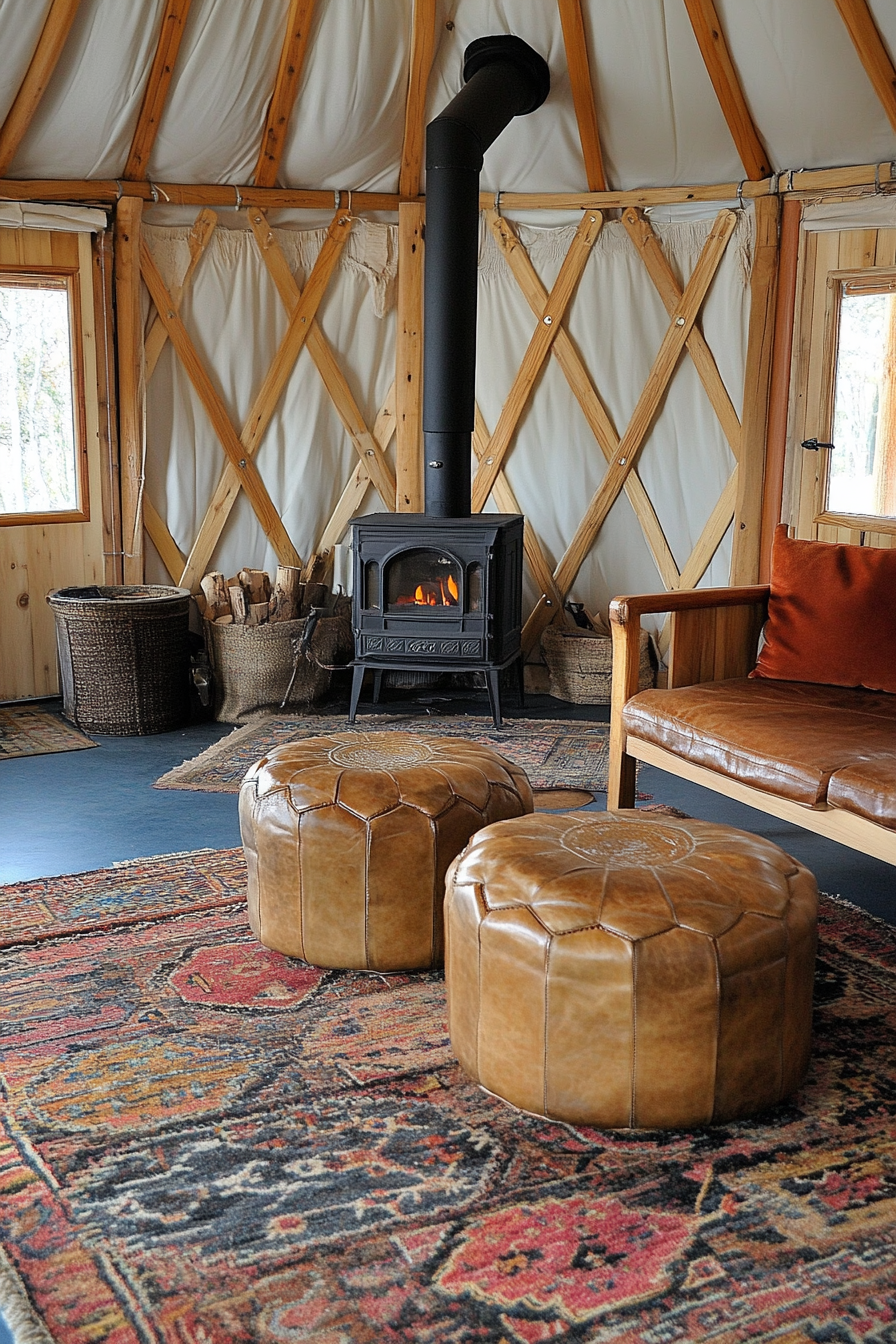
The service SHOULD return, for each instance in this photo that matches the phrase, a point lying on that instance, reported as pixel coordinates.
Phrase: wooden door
(828, 261)
(57, 548)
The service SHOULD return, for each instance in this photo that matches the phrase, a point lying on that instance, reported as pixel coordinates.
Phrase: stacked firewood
(250, 598)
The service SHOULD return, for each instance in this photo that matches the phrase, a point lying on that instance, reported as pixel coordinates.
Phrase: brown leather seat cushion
(868, 788)
(619, 970)
(786, 737)
(348, 837)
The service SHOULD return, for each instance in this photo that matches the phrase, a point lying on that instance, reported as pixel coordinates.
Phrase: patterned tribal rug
(569, 753)
(34, 732)
(204, 1142)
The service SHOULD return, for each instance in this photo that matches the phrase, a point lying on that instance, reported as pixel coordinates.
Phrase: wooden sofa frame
(714, 635)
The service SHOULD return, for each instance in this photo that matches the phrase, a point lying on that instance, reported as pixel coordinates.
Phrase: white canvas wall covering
(347, 129)
(212, 125)
(85, 121)
(21, 22)
(616, 321)
(236, 320)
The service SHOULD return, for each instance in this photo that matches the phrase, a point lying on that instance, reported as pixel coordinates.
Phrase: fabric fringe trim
(18, 1312)
(371, 252)
(681, 244)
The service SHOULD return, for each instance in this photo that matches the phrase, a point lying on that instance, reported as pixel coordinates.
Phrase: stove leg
(493, 685)
(357, 679)
(377, 685)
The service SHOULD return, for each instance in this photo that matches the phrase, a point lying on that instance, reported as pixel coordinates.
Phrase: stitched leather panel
(869, 788)
(348, 837)
(785, 737)
(617, 969)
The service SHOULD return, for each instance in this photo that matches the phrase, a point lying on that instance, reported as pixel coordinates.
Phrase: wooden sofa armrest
(714, 634)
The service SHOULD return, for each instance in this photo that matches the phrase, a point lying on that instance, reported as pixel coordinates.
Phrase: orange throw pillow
(831, 615)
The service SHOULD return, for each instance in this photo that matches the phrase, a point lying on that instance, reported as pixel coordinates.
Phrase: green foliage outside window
(38, 472)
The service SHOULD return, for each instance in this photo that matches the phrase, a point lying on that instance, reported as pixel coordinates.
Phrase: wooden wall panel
(37, 557)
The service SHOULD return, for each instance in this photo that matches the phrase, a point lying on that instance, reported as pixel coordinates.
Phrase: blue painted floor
(78, 810)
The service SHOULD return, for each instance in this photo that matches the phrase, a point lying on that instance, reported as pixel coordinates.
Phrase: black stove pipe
(504, 78)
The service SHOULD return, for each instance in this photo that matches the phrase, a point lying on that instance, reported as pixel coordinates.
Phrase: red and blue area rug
(204, 1142)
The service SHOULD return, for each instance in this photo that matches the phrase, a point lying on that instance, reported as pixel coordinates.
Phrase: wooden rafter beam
(582, 85)
(422, 47)
(872, 53)
(156, 92)
(721, 71)
(286, 88)
(37, 77)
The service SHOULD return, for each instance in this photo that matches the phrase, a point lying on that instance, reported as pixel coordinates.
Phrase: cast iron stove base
(491, 676)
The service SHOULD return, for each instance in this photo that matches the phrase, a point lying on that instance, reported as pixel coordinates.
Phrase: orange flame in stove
(452, 587)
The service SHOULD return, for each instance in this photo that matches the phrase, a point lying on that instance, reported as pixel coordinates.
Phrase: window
(42, 476)
(861, 469)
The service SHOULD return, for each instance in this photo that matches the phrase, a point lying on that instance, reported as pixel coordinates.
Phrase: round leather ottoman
(348, 838)
(625, 971)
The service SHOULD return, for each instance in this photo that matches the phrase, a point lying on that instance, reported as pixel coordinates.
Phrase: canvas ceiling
(660, 124)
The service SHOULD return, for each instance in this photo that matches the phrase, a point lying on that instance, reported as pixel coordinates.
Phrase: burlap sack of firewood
(254, 667)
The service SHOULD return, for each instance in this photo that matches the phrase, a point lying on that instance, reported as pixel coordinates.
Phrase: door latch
(815, 445)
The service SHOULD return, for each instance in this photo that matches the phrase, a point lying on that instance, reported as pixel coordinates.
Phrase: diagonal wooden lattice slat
(584, 391)
(537, 352)
(240, 460)
(683, 306)
(303, 330)
(370, 447)
(264, 406)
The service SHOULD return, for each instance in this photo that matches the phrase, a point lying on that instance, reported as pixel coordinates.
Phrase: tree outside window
(39, 458)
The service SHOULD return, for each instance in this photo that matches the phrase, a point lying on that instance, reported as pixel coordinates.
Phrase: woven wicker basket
(124, 657)
(253, 665)
(581, 665)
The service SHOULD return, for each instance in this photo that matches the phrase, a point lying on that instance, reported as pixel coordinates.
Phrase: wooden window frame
(70, 275)
(870, 280)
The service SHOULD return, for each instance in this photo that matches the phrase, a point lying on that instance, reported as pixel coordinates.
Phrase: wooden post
(131, 383)
(779, 386)
(409, 361)
(757, 380)
(108, 413)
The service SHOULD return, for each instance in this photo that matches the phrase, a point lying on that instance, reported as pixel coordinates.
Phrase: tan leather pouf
(348, 838)
(618, 970)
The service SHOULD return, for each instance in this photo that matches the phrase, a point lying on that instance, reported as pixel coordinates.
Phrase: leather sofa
(822, 757)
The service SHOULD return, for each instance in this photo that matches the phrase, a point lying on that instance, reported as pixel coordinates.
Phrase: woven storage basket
(581, 665)
(124, 657)
(253, 665)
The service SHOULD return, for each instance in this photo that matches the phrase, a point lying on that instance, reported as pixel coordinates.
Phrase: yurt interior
(447, 486)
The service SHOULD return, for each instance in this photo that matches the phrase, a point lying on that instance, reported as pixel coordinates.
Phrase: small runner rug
(202, 1142)
(555, 753)
(34, 732)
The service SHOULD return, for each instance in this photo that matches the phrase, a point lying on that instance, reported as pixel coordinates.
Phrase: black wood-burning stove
(437, 595)
(442, 591)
